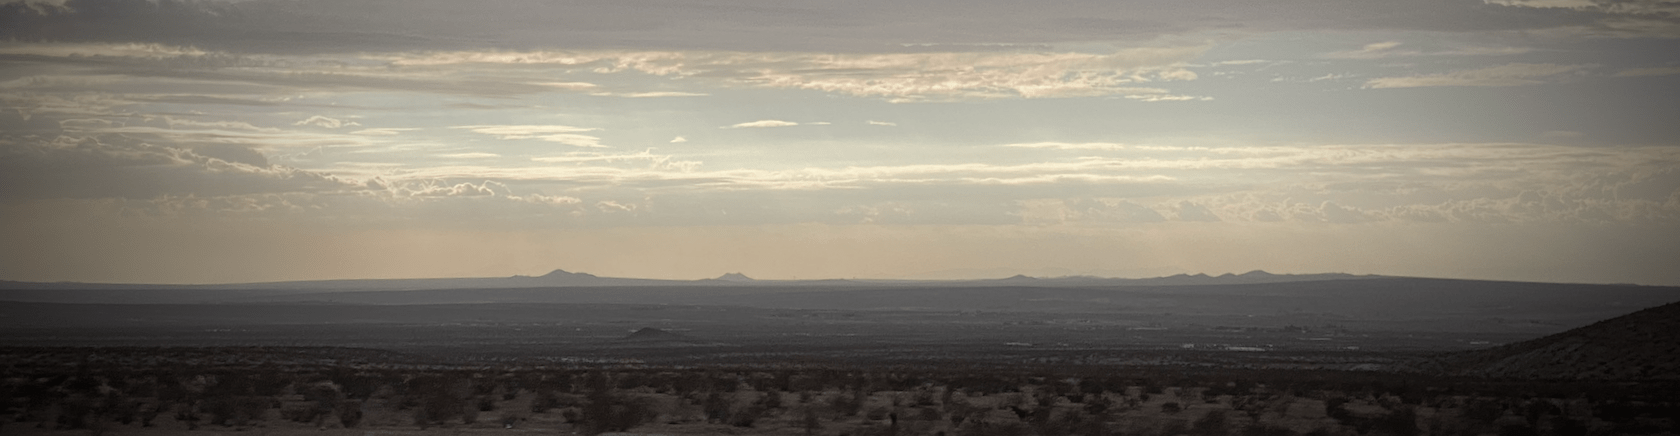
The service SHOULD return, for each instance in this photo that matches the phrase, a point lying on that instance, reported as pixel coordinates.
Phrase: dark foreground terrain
(1367, 356)
(117, 390)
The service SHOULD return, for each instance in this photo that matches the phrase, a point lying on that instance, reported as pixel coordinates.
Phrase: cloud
(654, 94)
(1070, 146)
(761, 123)
(116, 167)
(475, 155)
(678, 140)
(882, 123)
(1636, 7)
(224, 125)
(432, 188)
(554, 200)
(1336, 213)
(1391, 49)
(127, 50)
(552, 133)
(655, 161)
(384, 131)
(613, 206)
(1190, 211)
(574, 86)
(1114, 211)
(1369, 51)
(1572, 4)
(895, 76)
(360, 26)
(1515, 74)
(1649, 71)
(1155, 98)
(321, 121)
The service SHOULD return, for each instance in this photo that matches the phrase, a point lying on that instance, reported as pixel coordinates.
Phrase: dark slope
(650, 334)
(1643, 345)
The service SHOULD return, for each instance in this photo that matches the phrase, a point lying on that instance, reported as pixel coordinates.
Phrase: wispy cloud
(573, 86)
(473, 155)
(1515, 74)
(1391, 49)
(882, 123)
(1648, 71)
(760, 123)
(132, 50)
(383, 131)
(653, 94)
(1370, 51)
(1165, 97)
(896, 76)
(326, 122)
(552, 133)
(1070, 146)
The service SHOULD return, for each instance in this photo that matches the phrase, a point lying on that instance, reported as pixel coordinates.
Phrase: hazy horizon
(239, 141)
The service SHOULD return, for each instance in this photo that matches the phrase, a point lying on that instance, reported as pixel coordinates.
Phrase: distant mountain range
(562, 278)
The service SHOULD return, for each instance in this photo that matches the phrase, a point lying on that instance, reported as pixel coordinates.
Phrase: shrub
(349, 413)
(544, 400)
(615, 413)
(771, 400)
(746, 416)
(1268, 430)
(1401, 422)
(235, 411)
(847, 404)
(1213, 423)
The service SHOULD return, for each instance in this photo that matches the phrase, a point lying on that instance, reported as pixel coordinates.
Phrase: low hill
(650, 334)
(1643, 345)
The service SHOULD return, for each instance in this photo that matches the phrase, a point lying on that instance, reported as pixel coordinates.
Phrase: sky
(208, 141)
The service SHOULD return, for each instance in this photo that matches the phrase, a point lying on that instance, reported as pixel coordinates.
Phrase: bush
(1401, 422)
(439, 399)
(508, 419)
(746, 416)
(1213, 423)
(235, 411)
(615, 413)
(301, 413)
(847, 404)
(76, 414)
(349, 413)
(771, 400)
(544, 400)
(1268, 430)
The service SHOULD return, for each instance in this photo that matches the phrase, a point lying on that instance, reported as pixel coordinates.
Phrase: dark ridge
(650, 334)
(734, 277)
(1643, 345)
(560, 273)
